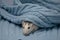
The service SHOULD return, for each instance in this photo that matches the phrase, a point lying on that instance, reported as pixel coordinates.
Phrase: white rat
(28, 27)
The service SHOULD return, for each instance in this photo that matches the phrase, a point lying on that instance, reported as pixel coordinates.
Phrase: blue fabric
(47, 12)
(37, 14)
(10, 31)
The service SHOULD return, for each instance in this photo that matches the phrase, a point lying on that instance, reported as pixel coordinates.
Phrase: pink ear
(35, 27)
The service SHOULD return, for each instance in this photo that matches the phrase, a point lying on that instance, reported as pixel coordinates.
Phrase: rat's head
(28, 27)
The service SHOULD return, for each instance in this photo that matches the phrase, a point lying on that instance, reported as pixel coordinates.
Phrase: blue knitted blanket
(40, 15)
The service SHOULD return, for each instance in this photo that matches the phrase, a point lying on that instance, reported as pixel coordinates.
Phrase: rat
(28, 27)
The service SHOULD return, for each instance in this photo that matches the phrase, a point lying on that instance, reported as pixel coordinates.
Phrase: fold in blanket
(38, 15)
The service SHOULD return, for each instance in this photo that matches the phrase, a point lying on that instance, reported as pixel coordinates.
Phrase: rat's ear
(35, 27)
(23, 23)
(31, 24)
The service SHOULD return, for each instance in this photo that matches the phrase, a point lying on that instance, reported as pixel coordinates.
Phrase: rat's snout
(26, 34)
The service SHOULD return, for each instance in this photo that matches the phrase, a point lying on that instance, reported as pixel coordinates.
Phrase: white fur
(25, 26)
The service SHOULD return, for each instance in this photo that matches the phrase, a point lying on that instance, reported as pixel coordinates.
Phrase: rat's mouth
(26, 34)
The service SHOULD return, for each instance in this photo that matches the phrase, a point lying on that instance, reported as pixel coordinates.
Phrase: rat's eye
(28, 27)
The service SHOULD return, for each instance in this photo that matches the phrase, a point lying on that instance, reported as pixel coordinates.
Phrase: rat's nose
(26, 34)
